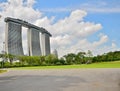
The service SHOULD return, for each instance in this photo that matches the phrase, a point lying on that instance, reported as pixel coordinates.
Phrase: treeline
(22, 61)
(106, 57)
(87, 58)
(69, 59)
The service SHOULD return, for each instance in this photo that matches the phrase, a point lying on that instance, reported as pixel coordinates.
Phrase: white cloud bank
(90, 6)
(69, 34)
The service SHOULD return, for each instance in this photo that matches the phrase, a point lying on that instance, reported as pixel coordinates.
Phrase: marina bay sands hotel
(38, 39)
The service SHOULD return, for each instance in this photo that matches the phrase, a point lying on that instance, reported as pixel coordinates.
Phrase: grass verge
(115, 64)
(2, 71)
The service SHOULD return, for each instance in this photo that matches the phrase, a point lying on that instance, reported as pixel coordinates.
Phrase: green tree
(81, 56)
(10, 57)
(42, 60)
(70, 58)
(50, 59)
(89, 57)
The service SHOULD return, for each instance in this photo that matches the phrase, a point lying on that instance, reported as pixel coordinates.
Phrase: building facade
(13, 40)
(34, 42)
(38, 38)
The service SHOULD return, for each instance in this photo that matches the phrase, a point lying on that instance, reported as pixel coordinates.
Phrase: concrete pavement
(61, 80)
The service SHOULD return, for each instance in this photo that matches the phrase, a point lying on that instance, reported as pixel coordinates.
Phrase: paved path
(61, 80)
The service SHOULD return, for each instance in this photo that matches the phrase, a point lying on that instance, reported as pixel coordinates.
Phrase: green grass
(115, 64)
(2, 71)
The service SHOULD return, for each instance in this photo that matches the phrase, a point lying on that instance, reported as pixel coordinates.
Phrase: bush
(7, 64)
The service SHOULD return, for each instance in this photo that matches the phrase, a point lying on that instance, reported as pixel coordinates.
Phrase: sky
(75, 25)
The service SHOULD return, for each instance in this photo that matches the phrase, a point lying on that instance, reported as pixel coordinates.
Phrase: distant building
(55, 53)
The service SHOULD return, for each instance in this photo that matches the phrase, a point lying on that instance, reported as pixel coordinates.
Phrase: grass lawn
(1, 71)
(115, 64)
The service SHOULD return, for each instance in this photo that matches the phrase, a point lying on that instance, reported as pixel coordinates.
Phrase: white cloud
(30, 3)
(88, 9)
(85, 45)
(72, 25)
(103, 10)
(104, 49)
(102, 7)
(69, 34)
(91, 7)
(18, 9)
(57, 10)
(103, 39)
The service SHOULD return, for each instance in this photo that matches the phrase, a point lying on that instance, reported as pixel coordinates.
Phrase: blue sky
(101, 18)
(109, 20)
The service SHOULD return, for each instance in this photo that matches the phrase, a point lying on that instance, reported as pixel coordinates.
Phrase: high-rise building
(38, 38)
(13, 38)
(34, 42)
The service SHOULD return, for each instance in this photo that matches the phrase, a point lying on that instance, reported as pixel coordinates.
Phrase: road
(61, 80)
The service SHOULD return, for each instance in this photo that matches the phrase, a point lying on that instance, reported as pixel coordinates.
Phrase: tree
(81, 56)
(50, 59)
(89, 53)
(10, 57)
(70, 58)
(42, 60)
(89, 57)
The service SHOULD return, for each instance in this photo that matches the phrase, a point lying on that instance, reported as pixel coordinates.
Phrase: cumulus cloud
(102, 40)
(20, 9)
(69, 34)
(104, 49)
(72, 25)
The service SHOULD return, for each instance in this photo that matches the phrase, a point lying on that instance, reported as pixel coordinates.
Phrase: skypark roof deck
(26, 24)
